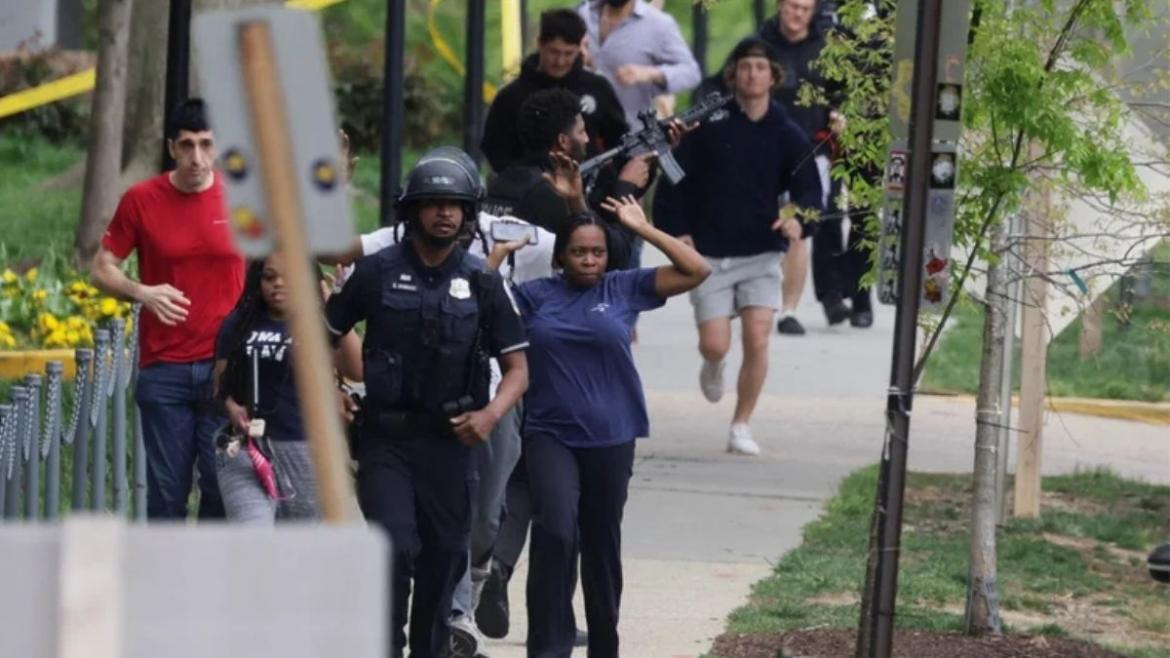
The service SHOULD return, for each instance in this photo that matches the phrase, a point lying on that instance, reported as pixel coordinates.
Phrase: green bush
(65, 121)
(431, 109)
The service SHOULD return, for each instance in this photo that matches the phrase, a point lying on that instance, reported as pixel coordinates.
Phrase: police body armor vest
(424, 348)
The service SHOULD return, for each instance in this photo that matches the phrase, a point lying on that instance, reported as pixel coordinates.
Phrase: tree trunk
(1091, 337)
(146, 73)
(102, 189)
(982, 589)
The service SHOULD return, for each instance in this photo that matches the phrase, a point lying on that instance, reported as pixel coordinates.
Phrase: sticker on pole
(896, 169)
(940, 229)
(308, 99)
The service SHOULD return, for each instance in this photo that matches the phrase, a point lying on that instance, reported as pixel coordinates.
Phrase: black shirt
(605, 120)
(422, 324)
(737, 170)
(797, 61)
(522, 192)
(278, 404)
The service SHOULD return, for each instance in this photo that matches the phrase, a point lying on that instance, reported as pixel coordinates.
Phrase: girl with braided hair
(268, 474)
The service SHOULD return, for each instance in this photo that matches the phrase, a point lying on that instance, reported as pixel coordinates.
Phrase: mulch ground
(907, 644)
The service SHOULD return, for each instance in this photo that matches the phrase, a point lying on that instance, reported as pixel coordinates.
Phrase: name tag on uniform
(460, 288)
(404, 286)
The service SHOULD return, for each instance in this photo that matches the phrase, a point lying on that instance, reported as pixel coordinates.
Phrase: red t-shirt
(184, 240)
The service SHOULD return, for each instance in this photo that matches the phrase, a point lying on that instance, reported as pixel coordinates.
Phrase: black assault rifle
(653, 138)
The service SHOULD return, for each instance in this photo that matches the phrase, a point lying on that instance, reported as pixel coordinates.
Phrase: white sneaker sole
(752, 451)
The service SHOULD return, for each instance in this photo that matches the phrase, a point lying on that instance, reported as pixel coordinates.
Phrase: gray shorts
(737, 283)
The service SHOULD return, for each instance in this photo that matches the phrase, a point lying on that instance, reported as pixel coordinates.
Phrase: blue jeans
(178, 428)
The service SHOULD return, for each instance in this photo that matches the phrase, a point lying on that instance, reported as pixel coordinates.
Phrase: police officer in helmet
(434, 315)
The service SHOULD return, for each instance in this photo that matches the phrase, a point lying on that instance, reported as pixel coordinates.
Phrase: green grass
(816, 584)
(1133, 363)
(37, 221)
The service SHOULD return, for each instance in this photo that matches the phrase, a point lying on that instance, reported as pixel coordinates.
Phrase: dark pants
(837, 269)
(578, 495)
(515, 520)
(418, 490)
(178, 429)
(838, 265)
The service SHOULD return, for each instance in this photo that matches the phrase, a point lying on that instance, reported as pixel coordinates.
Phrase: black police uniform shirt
(421, 324)
(279, 404)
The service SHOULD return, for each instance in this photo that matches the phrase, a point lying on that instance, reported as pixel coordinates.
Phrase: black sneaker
(836, 312)
(491, 616)
(790, 326)
(862, 315)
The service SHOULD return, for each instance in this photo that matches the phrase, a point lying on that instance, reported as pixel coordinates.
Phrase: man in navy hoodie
(739, 164)
(557, 63)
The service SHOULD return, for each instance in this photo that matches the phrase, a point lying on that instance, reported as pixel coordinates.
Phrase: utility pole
(875, 635)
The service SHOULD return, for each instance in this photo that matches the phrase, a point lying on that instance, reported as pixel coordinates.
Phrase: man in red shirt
(191, 277)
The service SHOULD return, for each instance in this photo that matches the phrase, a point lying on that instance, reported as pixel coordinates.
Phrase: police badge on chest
(460, 288)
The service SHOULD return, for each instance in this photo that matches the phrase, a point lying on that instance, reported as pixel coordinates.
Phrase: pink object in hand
(263, 469)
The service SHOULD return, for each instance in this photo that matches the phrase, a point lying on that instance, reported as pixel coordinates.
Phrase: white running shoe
(740, 441)
(711, 380)
(466, 640)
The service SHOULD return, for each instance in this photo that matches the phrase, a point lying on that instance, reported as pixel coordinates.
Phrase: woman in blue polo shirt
(585, 408)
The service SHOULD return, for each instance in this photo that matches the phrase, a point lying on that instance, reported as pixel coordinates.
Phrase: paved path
(701, 526)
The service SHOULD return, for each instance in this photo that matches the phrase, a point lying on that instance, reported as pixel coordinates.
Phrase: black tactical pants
(418, 490)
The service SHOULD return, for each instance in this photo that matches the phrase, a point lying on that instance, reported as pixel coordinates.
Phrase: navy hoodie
(736, 171)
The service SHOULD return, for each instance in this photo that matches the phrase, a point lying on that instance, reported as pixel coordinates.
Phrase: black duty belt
(406, 424)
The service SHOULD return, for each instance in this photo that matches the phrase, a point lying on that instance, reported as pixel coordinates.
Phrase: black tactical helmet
(443, 173)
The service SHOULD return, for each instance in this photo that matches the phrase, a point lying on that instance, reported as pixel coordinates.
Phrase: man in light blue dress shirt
(640, 50)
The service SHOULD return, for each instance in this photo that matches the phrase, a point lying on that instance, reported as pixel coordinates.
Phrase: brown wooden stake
(1033, 366)
(313, 364)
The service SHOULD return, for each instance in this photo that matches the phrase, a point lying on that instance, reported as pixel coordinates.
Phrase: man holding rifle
(738, 166)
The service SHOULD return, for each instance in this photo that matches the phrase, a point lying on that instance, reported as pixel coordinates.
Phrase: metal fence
(40, 437)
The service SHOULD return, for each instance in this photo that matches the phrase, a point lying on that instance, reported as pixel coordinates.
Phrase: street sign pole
(178, 74)
(266, 109)
(875, 636)
(393, 108)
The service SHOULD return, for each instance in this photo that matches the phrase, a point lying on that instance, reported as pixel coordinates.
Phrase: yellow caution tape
(312, 5)
(447, 54)
(510, 30)
(70, 85)
(80, 83)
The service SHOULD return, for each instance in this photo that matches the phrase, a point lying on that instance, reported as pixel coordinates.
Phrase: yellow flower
(9, 277)
(76, 323)
(4, 328)
(56, 338)
(7, 341)
(48, 322)
(73, 338)
(31, 275)
(108, 306)
(40, 295)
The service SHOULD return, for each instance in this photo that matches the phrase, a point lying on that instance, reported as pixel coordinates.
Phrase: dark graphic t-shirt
(278, 404)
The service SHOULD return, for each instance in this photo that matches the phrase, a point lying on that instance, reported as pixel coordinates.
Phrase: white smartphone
(504, 231)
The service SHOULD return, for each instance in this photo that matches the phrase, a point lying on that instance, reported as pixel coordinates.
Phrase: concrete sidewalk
(701, 526)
